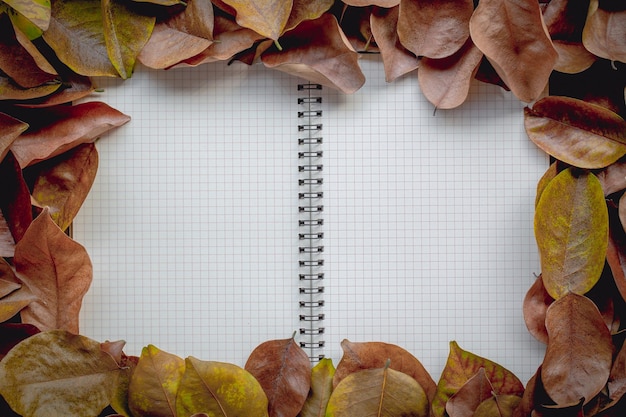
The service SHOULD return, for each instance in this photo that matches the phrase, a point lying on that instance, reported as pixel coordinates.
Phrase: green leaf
(24, 25)
(36, 11)
(381, 392)
(321, 389)
(219, 389)
(58, 373)
(571, 228)
(125, 34)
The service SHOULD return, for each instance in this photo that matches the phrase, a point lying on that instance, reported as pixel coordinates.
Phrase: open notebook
(193, 222)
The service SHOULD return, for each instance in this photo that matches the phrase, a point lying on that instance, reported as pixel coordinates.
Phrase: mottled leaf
(579, 353)
(446, 82)
(326, 58)
(397, 60)
(605, 31)
(571, 229)
(321, 389)
(465, 401)
(498, 406)
(266, 17)
(219, 389)
(154, 384)
(513, 37)
(284, 371)
(460, 367)
(358, 356)
(36, 11)
(576, 132)
(14, 197)
(10, 129)
(381, 392)
(58, 272)
(434, 28)
(55, 130)
(57, 373)
(536, 302)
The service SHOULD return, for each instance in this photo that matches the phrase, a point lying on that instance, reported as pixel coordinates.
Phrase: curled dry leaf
(317, 50)
(266, 17)
(617, 378)
(605, 31)
(58, 272)
(7, 243)
(536, 303)
(9, 91)
(321, 389)
(432, 28)
(571, 229)
(14, 198)
(284, 371)
(368, 355)
(55, 130)
(397, 60)
(579, 353)
(512, 35)
(168, 46)
(446, 82)
(465, 401)
(613, 177)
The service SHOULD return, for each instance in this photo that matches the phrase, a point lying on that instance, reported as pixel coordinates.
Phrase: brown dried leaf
(536, 303)
(74, 88)
(10, 129)
(465, 401)
(57, 270)
(14, 197)
(573, 57)
(605, 31)
(616, 251)
(10, 91)
(498, 406)
(14, 300)
(55, 130)
(365, 3)
(284, 371)
(326, 57)
(266, 17)
(7, 243)
(613, 177)
(512, 35)
(446, 82)
(579, 353)
(169, 46)
(397, 60)
(358, 356)
(433, 28)
(307, 10)
(617, 377)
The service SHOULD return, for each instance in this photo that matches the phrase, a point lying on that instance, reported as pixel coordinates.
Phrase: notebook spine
(311, 221)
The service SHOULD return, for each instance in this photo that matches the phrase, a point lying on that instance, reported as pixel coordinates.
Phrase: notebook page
(192, 222)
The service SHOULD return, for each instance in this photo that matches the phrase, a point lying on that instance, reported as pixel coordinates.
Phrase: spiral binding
(310, 223)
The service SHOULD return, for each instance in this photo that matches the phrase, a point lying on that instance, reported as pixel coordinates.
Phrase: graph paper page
(192, 222)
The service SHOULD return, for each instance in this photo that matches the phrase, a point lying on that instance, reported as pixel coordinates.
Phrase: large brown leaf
(284, 371)
(369, 355)
(55, 130)
(14, 198)
(397, 60)
(513, 37)
(58, 272)
(536, 303)
(266, 17)
(576, 132)
(605, 32)
(434, 28)
(579, 353)
(446, 82)
(318, 51)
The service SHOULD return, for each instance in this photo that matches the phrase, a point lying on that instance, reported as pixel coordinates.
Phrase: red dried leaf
(535, 305)
(266, 17)
(605, 31)
(14, 198)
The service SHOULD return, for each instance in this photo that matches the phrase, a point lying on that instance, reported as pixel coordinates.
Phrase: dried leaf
(536, 302)
(58, 374)
(616, 250)
(433, 28)
(617, 377)
(154, 384)
(467, 399)
(358, 356)
(14, 301)
(55, 130)
(397, 60)
(571, 228)
(7, 243)
(7, 287)
(266, 17)
(63, 182)
(14, 197)
(446, 82)
(10, 129)
(11, 91)
(219, 389)
(119, 398)
(327, 58)
(605, 31)
(284, 371)
(307, 10)
(36, 11)
(168, 46)
(321, 389)
(196, 19)
(545, 179)
(498, 406)
(58, 272)
(382, 392)
(365, 3)
(74, 87)
(460, 367)
(573, 57)
(512, 35)
(576, 132)
(579, 353)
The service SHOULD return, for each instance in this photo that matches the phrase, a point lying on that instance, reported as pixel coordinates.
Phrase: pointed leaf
(571, 228)
(579, 353)
(58, 272)
(266, 17)
(381, 392)
(433, 28)
(561, 127)
(36, 11)
(155, 382)
(284, 371)
(56, 130)
(12, 303)
(168, 46)
(307, 10)
(545, 179)
(605, 31)
(498, 406)
(10, 129)
(536, 302)
(367, 355)
(57, 374)
(321, 389)
(460, 367)
(467, 399)
(14, 198)
(327, 59)
(512, 35)
(219, 389)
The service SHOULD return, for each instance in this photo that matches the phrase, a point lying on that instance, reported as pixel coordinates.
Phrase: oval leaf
(605, 31)
(36, 11)
(579, 353)
(10, 129)
(536, 302)
(15, 202)
(321, 389)
(571, 228)
(467, 399)
(266, 17)
(284, 371)
(576, 132)
(498, 406)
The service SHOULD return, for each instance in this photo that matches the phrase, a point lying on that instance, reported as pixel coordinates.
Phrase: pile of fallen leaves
(49, 53)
